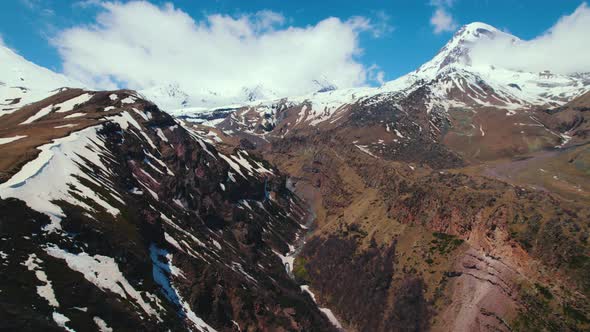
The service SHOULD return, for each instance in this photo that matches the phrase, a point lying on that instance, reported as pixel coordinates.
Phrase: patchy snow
(182, 230)
(565, 139)
(6, 140)
(74, 115)
(214, 136)
(160, 162)
(103, 272)
(41, 113)
(61, 321)
(136, 191)
(161, 135)
(287, 261)
(232, 164)
(216, 244)
(101, 324)
(365, 149)
(69, 105)
(113, 97)
(45, 291)
(170, 239)
(245, 203)
(57, 172)
(124, 119)
(109, 108)
(141, 113)
(241, 159)
(129, 100)
(331, 317)
(69, 125)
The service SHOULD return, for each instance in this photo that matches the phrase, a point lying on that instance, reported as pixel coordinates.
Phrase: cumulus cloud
(562, 49)
(140, 45)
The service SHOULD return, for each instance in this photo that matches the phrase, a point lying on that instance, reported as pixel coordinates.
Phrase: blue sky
(28, 25)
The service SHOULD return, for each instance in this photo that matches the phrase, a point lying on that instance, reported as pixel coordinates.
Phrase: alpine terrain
(454, 198)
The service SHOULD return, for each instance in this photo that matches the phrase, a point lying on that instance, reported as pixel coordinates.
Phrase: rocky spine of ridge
(136, 222)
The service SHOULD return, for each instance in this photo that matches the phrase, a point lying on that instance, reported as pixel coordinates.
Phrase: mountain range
(454, 198)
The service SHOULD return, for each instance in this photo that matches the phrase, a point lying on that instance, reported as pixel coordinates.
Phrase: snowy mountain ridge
(453, 79)
(23, 82)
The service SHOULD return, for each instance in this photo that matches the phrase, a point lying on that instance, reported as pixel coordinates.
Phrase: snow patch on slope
(103, 272)
(58, 171)
(6, 140)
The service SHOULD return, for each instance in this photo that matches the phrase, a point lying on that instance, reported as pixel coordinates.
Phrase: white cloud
(376, 74)
(564, 48)
(378, 26)
(140, 45)
(31, 4)
(442, 21)
(87, 3)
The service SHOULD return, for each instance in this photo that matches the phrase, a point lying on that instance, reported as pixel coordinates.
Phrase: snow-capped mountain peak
(324, 85)
(457, 50)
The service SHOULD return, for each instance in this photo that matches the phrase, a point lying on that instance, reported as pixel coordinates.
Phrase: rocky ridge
(123, 218)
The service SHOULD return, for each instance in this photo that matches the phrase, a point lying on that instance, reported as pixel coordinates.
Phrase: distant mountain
(173, 97)
(452, 79)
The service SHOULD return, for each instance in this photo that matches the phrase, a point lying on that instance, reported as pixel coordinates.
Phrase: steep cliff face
(123, 218)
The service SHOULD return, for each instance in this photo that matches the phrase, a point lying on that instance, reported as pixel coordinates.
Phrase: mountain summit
(457, 50)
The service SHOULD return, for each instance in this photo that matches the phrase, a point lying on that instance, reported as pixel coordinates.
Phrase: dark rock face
(191, 247)
(357, 283)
